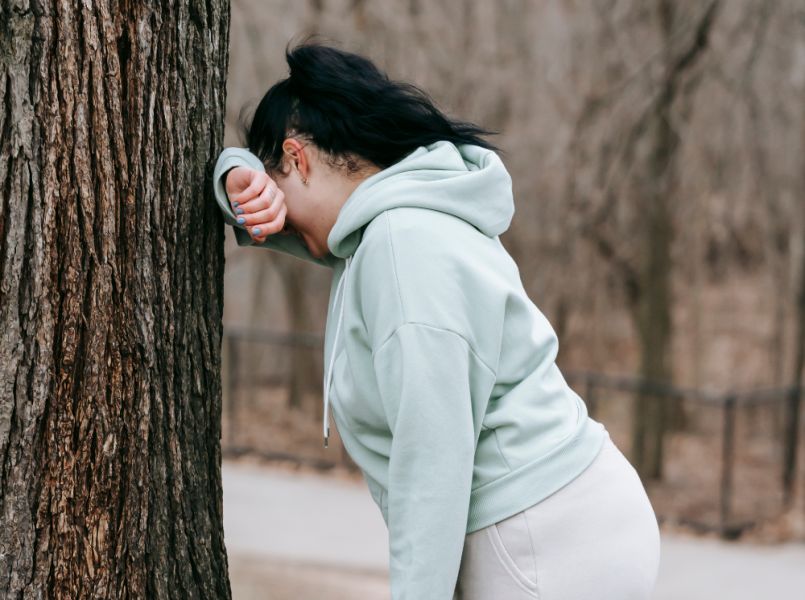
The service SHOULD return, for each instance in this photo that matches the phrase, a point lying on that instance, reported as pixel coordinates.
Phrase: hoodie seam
(420, 324)
(402, 307)
(394, 265)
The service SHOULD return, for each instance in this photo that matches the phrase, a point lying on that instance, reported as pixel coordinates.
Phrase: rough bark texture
(111, 252)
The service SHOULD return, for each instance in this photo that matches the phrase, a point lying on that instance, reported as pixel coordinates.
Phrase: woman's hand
(257, 202)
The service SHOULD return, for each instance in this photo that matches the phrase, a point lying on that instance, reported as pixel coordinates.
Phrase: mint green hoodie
(439, 367)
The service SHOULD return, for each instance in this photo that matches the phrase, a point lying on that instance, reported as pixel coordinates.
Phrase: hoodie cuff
(229, 159)
(241, 157)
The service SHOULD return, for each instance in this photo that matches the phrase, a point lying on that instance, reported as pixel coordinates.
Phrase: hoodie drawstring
(329, 375)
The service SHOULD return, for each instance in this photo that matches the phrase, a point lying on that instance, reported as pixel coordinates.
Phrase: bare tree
(633, 198)
(111, 299)
(794, 408)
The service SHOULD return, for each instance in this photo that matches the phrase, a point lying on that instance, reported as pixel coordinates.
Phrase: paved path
(311, 530)
(706, 569)
(302, 517)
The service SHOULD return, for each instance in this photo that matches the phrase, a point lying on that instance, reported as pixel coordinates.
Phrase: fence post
(727, 459)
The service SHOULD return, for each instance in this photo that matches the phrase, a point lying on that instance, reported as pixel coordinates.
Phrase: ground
(299, 535)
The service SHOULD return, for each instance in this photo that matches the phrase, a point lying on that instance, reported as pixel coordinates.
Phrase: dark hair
(351, 110)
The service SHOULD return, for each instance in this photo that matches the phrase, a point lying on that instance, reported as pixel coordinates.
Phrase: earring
(304, 179)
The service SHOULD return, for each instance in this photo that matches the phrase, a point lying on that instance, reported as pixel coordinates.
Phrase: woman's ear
(297, 156)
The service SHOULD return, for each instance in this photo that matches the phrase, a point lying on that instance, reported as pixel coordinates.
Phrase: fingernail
(256, 231)
(239, 211)
(241, 220)
(235, 204)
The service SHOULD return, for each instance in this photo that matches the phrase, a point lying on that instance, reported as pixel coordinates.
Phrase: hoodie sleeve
(427, 377)
(289, 244)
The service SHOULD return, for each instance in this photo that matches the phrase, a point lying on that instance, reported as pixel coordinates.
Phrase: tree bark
(111, 250)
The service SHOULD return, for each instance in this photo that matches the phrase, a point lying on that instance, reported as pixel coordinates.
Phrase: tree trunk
(111, 250)
(302, 366)
(655, 415)
(652, 311)
(793, 411)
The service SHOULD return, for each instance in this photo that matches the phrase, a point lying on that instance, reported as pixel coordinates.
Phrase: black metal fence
(730, 466)
(726, 468)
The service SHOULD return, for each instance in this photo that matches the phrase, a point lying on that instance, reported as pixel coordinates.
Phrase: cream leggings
(596, 538)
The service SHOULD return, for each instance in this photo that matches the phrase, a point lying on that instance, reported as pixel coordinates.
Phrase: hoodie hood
(467, 181)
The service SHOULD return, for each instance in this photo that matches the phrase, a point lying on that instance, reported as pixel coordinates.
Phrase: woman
(494, 482)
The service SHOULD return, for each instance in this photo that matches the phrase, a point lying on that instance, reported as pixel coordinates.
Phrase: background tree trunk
(795, 496)
(111, 299)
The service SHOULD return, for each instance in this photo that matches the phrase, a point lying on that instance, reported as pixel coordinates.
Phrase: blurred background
(656, 152)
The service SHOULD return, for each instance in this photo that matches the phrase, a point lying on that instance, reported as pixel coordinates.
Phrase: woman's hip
(597, 537)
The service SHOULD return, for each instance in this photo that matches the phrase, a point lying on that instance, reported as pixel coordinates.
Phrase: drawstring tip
(325, 441)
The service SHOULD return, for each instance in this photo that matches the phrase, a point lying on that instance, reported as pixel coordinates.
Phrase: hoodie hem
(533, 482)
